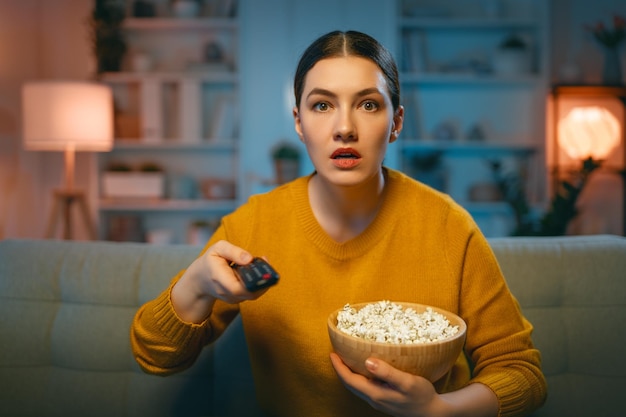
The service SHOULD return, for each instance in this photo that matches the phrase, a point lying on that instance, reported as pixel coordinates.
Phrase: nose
(345, 128)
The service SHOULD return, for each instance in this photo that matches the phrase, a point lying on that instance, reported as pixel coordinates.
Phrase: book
(415, 53)
(224, 119)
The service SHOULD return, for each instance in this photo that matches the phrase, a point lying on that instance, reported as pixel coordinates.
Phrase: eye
(321, 106)
(370, 105)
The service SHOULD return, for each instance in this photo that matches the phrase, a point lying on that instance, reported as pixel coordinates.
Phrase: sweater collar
(361, 244)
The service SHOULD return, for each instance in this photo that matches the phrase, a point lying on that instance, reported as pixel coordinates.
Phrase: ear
(398, 121)
(297, 123)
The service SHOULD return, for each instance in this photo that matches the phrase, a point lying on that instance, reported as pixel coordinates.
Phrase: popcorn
(388, 322)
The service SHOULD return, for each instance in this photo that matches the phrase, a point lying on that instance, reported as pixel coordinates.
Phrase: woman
(352, 231)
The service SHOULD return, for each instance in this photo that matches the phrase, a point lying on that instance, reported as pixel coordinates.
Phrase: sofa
(66, 308)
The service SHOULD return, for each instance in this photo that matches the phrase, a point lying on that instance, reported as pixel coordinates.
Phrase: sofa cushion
(573, 291)
(65, 315)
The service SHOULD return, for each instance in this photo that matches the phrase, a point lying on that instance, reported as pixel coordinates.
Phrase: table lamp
(589, 132)
(67, 116)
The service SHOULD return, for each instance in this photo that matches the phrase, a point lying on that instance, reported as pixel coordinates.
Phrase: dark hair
(350, 43)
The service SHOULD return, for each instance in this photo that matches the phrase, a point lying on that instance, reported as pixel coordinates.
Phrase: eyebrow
(324, 92)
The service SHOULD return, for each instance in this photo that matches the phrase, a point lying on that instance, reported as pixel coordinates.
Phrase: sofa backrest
(573, 290)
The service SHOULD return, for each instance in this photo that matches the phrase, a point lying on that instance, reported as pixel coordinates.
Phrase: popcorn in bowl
(388, 322)
(415, 338)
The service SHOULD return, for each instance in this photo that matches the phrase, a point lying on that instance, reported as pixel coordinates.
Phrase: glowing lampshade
(588, 132)
(58, 114)
(67, 116)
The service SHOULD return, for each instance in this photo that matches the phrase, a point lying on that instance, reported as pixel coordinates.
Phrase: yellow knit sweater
(422, 248)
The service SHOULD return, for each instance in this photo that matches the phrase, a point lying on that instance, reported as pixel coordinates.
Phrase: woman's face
(346, 119)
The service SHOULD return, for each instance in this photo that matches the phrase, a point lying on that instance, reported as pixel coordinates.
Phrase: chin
(348, 177)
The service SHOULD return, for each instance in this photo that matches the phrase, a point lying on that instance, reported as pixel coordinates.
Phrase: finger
(341, 368)
(237, 283)
(230, 252)
(357, 383)
(227, 286)
(386, 373)
(378, 394)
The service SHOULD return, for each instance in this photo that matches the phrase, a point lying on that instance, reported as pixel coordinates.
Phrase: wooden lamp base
(62, 213)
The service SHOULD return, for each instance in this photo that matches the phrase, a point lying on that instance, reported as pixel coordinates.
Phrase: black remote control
(256, 275)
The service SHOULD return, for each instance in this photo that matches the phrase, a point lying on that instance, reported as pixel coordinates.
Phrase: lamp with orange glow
(589, 132)
(67, 116)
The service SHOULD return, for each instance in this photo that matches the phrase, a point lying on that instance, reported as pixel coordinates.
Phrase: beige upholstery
(65, 314)
(66, 308)
(573, 290)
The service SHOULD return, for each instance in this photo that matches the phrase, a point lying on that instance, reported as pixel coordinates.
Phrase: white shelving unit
(467, 104)
(177, 106)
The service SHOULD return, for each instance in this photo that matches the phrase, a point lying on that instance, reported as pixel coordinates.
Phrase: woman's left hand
(392, 391)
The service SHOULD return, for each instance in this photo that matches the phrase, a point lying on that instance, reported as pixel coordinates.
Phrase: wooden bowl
(431, 360)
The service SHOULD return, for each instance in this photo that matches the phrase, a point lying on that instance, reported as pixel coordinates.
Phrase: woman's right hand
(209, 278)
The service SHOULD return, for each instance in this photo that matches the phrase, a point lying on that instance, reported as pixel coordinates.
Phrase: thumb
(227, 250)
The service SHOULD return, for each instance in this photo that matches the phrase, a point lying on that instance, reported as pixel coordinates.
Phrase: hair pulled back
(349, 43)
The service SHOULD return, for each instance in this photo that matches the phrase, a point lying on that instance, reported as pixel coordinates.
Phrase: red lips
(345, 153)
(345, 158)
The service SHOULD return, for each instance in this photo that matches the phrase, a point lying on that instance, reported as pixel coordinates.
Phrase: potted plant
(512, 57)
(109, 45)
(610, 38)
(562, 210)
(120, 180)
(286, 158)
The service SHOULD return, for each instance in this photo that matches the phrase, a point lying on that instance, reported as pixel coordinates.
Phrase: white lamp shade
(61, 114)
(589, 131)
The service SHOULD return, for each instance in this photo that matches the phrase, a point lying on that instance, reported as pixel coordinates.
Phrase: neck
(345, 212)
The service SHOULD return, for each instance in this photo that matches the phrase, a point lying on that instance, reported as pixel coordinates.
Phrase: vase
(612, 71)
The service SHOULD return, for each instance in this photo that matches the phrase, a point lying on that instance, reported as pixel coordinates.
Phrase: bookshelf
(177, 108)
(470, 102)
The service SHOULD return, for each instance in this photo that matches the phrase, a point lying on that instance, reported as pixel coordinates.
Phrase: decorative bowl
(431, 360)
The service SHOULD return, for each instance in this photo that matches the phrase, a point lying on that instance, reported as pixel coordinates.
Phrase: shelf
(220, 76)
(467, 78)
(167, 145)
(151, 205)
(166, 23)
(466, 147)
(448, 23)
(589, 90)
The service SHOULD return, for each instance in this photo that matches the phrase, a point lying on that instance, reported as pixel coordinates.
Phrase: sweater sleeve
(162, 343)
(499, 339)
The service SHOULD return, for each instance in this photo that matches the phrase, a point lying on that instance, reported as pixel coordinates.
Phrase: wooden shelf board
(163, 205)
(221, 76)
(465, 147)
(466, 78)
(200, 145)
(174, 23)
(448, 23)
